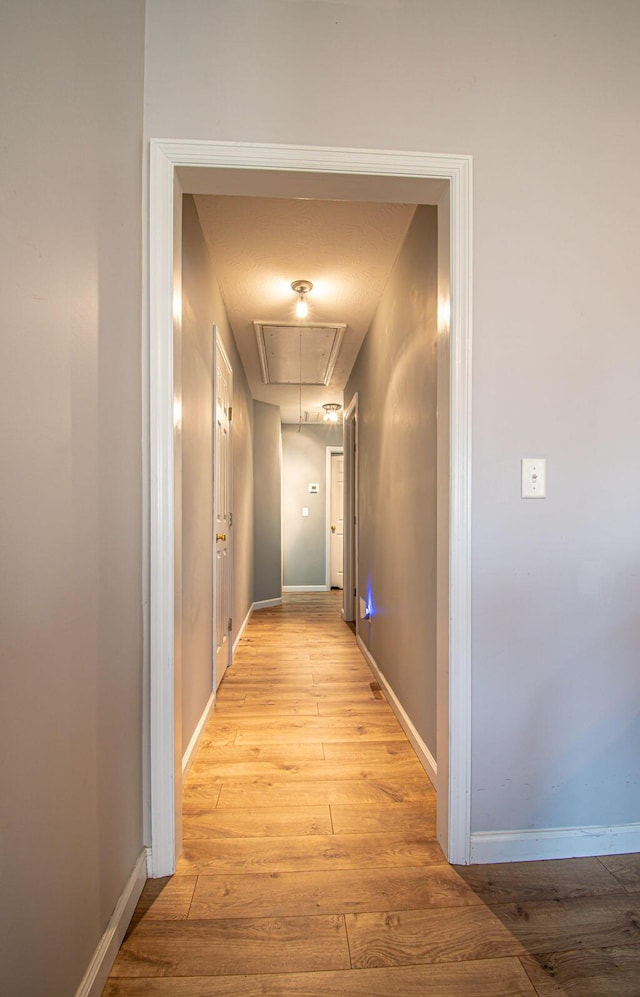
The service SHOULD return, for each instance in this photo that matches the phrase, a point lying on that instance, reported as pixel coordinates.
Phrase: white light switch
(534, 477)
(305, 510)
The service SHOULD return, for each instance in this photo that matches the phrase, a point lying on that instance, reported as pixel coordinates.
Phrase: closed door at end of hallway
(337, 521)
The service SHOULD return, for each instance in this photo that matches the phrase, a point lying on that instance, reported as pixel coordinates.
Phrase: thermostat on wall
(314, 489)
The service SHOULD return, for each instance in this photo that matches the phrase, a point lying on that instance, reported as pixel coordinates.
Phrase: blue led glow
(369, 603)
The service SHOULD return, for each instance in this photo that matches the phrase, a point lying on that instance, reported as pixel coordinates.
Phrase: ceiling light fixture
(331, 410)
(301, 287)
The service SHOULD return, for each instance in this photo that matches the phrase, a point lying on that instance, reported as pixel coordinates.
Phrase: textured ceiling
(259, 245)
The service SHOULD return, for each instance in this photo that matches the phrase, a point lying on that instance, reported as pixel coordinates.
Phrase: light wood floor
(311, 868)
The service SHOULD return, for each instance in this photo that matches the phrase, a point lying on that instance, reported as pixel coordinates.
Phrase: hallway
(310, 865)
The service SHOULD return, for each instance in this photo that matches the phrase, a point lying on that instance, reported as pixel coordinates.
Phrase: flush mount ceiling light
(331, 410)
(301, 287)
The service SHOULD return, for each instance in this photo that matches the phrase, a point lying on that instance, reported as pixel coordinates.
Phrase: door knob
(221, 536)
(333, 529)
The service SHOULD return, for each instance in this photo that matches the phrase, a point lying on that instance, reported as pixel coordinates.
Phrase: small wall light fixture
(331, 410)
(302, 288)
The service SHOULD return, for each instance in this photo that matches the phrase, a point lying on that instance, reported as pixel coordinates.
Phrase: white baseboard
(196, 737)
(426, 758)
(266, 604)
(94, 979)
(305, 588)
(553, 843)
(254, 607)
(242, 629)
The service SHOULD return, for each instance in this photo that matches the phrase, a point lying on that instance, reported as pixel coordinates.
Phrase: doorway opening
(202, 167)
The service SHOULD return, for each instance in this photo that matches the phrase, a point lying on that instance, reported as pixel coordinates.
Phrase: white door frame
(334, 448)
(454, 326)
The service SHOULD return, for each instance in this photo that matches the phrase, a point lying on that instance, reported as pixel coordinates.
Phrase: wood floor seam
(195, 887)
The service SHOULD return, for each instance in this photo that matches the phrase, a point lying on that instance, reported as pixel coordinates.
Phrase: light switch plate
(534, 477)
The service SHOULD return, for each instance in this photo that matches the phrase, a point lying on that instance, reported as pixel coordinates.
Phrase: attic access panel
(298, 354)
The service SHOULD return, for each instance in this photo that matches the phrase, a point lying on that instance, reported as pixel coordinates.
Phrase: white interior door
(222, 516)
(336, 535)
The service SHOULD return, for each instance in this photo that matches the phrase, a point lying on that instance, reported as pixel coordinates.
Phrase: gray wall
(267, 502)
(395, 377)
(543, 95)
(202, 308)
(304, 455)
(71, 78)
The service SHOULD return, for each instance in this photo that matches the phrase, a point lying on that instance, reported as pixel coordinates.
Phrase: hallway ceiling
(260, 245)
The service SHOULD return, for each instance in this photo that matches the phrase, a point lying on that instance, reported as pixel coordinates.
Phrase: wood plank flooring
(311, 868)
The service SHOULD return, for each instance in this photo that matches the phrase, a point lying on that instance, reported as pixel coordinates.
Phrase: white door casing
(222, 563)
(454, 335)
